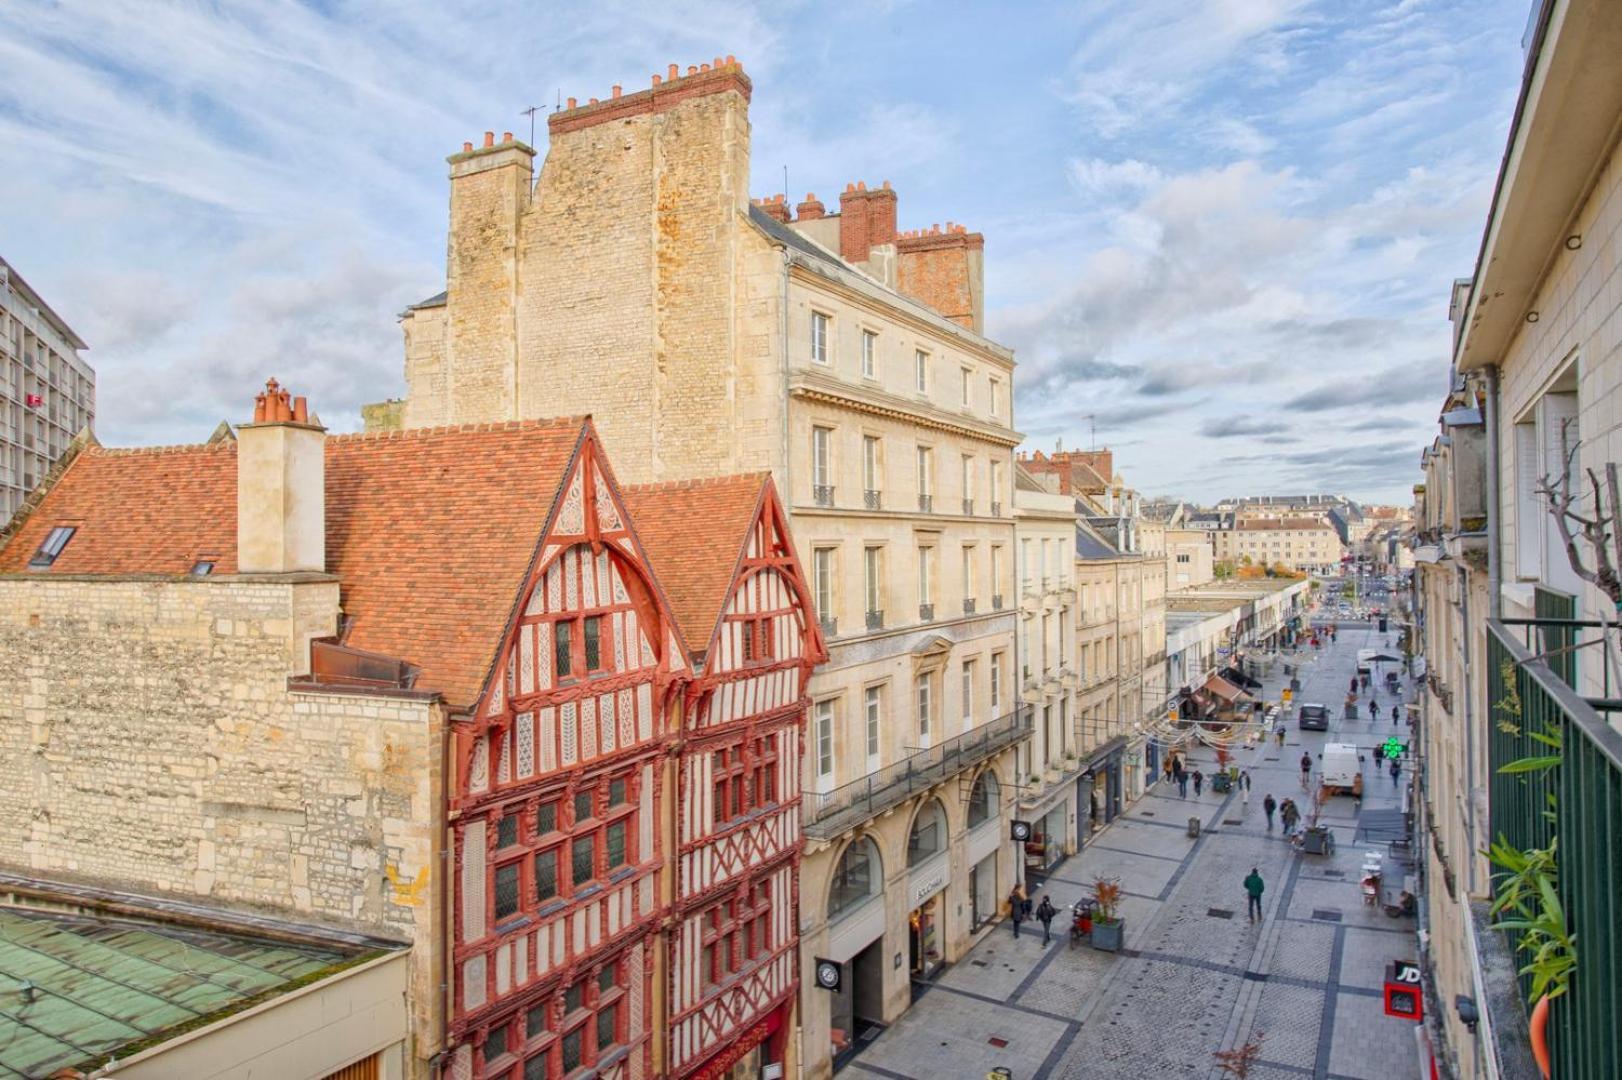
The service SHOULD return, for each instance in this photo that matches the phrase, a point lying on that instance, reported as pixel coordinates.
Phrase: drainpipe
(1495, 568)
(782, 368)
(1469, 732)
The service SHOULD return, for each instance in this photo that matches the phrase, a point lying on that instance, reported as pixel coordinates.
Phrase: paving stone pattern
(1188, 982)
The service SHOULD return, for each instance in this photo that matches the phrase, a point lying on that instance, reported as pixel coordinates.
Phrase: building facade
(634, 279)
(1307, 544)
(1531, 418)
(47, 391)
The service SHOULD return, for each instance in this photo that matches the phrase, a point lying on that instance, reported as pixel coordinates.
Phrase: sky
(1220, 234)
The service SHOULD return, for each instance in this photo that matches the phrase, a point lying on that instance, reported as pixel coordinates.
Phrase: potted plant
(1317, 839)
(1108, 925)
(1222, 780)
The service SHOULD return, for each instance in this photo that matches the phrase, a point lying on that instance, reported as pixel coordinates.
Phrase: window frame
(920, 371)
(821, 338)
(870, 350)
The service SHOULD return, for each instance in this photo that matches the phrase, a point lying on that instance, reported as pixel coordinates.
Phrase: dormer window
(55, 541)
(201, 568)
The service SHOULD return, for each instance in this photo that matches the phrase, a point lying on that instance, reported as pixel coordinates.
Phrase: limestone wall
(148, 742)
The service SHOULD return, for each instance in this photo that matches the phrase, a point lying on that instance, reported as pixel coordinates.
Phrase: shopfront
(928, 874)
(987, 828)
(856, 942)
(1045, 849)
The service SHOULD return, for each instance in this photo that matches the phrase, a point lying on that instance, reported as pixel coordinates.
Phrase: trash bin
(1194, 826)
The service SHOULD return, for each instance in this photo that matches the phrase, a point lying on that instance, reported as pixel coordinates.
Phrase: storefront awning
(1223, 689)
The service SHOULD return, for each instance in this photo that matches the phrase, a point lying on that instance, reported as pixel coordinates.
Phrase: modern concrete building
(47, 391)
(632, 278)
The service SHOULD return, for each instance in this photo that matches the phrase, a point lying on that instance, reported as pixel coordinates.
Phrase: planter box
(1221, 782)
(1107, 936)
(1318, 841)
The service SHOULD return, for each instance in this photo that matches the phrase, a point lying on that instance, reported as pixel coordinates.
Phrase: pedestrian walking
(1396, 768)
(1254, 886)
(1244, 788)
(1395, 710)
(1199, 782)
(1379, 755)
(1290, 815)
(1016, 907)
(1354, 686)
(1306, 766)
(1044, 915)
(1182, 785)
(1374, 707)
(1176, 764)
(1269, 804)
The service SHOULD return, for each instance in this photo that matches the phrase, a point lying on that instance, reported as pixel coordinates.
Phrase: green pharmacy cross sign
(1394, 747)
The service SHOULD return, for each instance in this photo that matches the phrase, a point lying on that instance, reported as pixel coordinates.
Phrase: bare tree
(1597, 532)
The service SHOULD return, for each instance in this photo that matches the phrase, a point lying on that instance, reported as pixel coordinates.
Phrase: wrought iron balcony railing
(968, 506)
(823, 494)
(926, 612)
(926, 503)
(996, 601)
(827, 814)
(875, 620)
(968, 605)
(830, 626)
(996, 509)
(872, 499)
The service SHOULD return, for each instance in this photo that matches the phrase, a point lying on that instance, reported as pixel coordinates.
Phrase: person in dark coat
(1199, 782)
(1395, 711)
(1045, 914)
(1016, 907)
(1182, 784)
(1379, 755)
(1269, 805)
(1254, 886)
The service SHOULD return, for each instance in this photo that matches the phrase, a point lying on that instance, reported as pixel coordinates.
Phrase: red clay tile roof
(694, 533)
(430, 531)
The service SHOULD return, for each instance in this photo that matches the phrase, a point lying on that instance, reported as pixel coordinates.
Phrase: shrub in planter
(1108, 926)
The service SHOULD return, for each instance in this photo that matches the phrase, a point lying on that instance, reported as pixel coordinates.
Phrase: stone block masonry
(149, 741)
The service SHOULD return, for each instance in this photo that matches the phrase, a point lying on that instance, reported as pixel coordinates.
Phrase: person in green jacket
(1254, 886)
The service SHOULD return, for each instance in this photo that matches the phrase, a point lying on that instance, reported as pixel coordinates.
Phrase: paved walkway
(1196, 975)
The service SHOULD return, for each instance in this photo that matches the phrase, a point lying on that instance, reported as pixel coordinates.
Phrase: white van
(1341, 766)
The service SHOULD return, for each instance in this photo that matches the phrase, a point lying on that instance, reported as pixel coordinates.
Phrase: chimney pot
(616, 90)
(810, 196)
(674, 72)
(861, 185)
(572, 103)
(591, 101)
(489, 138)
(716, 62)
(887, 185)
(656, 80)
(703, 67)
(281, 484)
(467, 147)
(850, 187)
(732, 59)
(506, 136)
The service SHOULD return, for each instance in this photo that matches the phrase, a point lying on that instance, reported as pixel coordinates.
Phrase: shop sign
(1404, 997)
(1019, 831)
(932, 882)
(830, 974)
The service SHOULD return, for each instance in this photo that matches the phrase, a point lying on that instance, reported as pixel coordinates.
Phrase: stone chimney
(281, 487)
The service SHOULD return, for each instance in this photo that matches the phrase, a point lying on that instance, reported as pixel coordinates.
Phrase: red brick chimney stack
(866, 220)
(811, 209)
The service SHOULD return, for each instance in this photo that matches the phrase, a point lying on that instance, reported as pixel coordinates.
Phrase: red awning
(1223, 689)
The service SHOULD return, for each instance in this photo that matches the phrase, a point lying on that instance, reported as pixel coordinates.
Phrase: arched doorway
(856, 941)
(928, 874)
(985, 822)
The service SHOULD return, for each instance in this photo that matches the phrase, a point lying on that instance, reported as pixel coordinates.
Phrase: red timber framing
(556, 806)
(732, 950)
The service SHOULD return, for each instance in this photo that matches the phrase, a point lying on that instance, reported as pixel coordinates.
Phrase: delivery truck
(1342, 768)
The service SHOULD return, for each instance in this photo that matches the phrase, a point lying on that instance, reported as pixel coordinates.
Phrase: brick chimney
(945, 269)
(776, 207)
(281, 487)
(866, 220)
(811, 209)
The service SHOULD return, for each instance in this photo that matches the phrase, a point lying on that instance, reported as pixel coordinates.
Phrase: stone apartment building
(634, 278)
(1534, 400)
(47, 391)
(1306, 543)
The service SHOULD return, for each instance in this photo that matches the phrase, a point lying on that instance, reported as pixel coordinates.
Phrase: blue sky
(1223, 230)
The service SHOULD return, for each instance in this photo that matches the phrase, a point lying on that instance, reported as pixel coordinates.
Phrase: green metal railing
(1527, 695)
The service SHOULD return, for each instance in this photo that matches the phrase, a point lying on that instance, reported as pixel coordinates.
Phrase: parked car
(1312, 717)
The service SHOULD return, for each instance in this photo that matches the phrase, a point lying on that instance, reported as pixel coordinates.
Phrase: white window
(996, 569)
(923, 709)
(968, 375)
(996, 682)
(1025, 563)
(1046, 648)
(819, 337)
(926, 471)
(968, 572)
(968, 483)
(996, 397)
(872, 583)
(875, 712)
(920, 363)
(825, 738)
(968, 694)
(1539, 454)
(821, 464)
(870, 348)
(822, 575)
(926, 592)
(870, 463)
(996, 484)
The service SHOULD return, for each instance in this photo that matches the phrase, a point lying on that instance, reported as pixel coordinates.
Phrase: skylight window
(55, 541)
(202, 568)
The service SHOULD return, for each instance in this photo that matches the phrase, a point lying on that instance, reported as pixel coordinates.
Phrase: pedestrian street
(1195, 974)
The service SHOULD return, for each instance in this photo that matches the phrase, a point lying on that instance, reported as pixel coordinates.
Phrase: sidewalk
(1195, 975)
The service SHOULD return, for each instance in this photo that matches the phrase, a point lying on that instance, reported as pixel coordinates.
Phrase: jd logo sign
(1019, 831)
(830, 974)
(1405, 972)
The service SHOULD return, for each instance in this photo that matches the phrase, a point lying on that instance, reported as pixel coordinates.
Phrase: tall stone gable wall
(148, 742)
(629, 285)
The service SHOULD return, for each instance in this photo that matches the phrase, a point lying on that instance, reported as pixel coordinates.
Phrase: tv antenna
(1092, 430)
(530, 112)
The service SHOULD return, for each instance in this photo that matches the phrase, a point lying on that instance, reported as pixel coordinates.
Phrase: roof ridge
(172, 448)
(536, 424)
(689, 483)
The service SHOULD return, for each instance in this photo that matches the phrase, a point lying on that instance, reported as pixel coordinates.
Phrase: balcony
(968, 605)
(926, 504)
(996, 508)
(996, 601)
(873, 500)
(830, 626)
(968, 507)
(1586, 789)
(828, 814)
(926, 612)
(875, 620)
(822, 494)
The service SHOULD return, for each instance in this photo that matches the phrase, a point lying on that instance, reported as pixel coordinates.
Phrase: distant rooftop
(13, 281)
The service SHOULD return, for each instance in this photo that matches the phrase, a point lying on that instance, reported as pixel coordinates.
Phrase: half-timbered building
(722, 551)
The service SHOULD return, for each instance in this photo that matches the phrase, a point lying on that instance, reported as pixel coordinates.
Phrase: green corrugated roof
(100, 985)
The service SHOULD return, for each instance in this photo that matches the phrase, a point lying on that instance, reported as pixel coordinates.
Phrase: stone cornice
(812, 387)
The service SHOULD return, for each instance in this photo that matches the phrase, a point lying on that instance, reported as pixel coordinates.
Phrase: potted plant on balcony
(1108, 926)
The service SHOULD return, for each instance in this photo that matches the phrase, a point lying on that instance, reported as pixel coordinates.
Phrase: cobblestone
(1188, 983)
